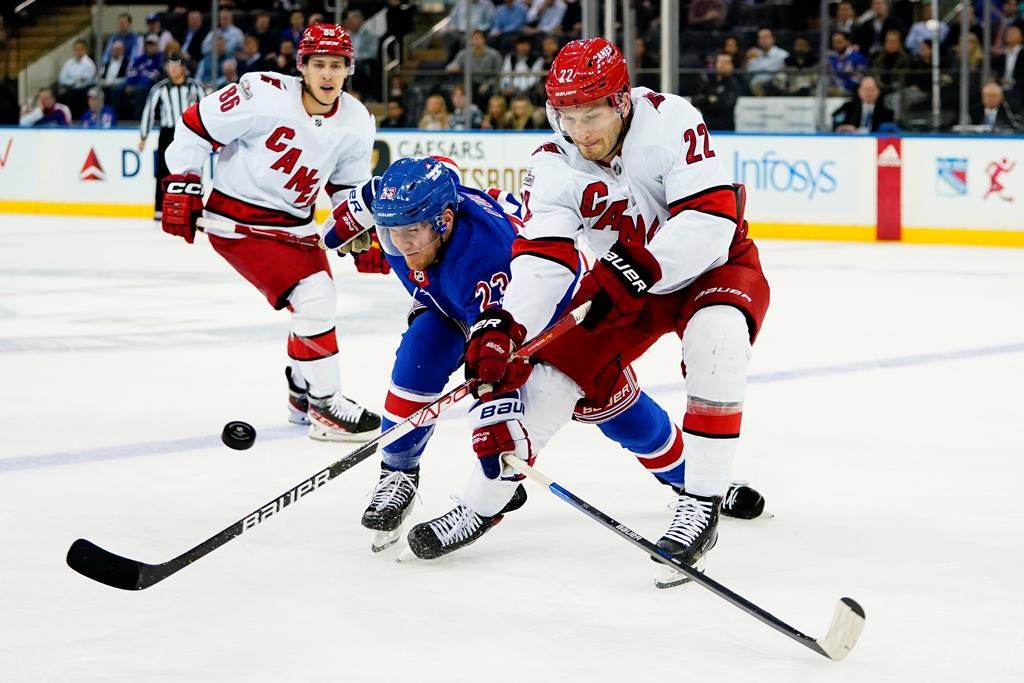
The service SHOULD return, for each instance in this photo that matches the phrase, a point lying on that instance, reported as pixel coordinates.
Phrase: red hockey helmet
(325, 39)
(586, 71)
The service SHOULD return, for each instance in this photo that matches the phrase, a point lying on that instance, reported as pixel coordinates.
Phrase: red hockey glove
(616, 285)
(183, 205)
(497, 430)
(492, 339)
(373, 259)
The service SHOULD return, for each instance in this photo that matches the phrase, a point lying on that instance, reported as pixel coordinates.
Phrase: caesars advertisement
(791, 180)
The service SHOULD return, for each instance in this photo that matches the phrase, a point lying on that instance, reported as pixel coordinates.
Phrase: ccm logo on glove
(178, 187)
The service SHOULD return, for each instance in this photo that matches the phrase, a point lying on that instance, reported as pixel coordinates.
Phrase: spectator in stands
(266, 38)
(545, 17)
(1010, 16)
(366, 48)
(707, 14)
(284, 62)
(129, 97)
(115, 68)
(718, 93)
(800, 76)
(97, 114)
(521, 115)
(296, 25)
(730, 46)
(435, 114)
(953, 37)
(251, 58)
(992, 111)
(548, 51)
(497, 114)
(233, 36)
(47, 112)
(520, 70)
(204, 74)
(572, 21)
(645, 66)
(478, 13)
(127, 36)
(764, 60)
(484, 61)
(846, 18)
(395, 116)
(920, 31)
(315, 18)
(229, 73)
(871, 33)
(889, 67)
(1010, 65)
(465, 115)
(154, 27)
(975, 55)
(846, 65)
(192, 40)
(76, 77)
(865, 113)
(509, 20)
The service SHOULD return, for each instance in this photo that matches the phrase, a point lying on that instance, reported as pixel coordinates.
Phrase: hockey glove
(497, 430)
(616, 285)
(183, 205)
(492, 339)
(345, 228)
(372, 260)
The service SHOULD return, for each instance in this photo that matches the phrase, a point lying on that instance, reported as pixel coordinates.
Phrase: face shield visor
(407, 240)
(585, 120)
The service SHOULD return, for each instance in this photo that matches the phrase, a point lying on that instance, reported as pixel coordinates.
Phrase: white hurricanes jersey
(666, 188)
(274, 156)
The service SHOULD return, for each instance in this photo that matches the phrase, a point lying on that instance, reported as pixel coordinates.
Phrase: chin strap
(306, 89)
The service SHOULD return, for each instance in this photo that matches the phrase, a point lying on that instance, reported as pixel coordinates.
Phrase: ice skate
(340, 419)
(742, 502)
(391, 504)
(298, 401)
(456, 528)
(692, 533)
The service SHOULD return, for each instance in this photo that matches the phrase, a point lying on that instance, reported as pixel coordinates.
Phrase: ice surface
(883, 425)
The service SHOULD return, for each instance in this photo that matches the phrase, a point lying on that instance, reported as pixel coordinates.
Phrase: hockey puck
(238, 435)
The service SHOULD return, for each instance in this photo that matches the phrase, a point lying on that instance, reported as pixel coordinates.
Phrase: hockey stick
(92, 561)
(207, 224)
(847, 620)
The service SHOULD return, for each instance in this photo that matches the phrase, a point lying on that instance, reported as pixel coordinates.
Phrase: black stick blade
(92, 561)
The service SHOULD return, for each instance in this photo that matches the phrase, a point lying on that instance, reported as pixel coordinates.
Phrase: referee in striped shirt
(164, 106)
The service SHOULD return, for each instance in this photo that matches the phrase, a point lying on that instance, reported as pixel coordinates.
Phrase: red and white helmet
(326, 39)
(586, 71)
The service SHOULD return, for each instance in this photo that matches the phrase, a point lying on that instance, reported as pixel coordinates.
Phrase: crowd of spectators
(729, 49)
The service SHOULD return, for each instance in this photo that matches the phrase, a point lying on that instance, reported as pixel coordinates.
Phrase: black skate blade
(92, 561)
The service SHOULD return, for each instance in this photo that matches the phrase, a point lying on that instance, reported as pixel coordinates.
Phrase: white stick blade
(847, 623)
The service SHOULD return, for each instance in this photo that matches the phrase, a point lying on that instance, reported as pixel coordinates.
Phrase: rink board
(926, 189)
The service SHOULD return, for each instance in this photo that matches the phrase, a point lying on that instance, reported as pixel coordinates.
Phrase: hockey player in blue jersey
(451, 248)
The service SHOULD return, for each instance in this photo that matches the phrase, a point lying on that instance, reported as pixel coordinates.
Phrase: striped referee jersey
(167, 101)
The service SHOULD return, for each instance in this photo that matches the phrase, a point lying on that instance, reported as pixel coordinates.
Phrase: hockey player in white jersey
(280, 139)
(632, 176)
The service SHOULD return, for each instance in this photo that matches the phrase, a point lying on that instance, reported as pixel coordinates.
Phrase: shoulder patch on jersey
(548, 147)
(245, 88)
(276, 82)
(654, 98)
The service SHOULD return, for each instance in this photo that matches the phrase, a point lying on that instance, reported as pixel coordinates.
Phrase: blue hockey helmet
(415, 190)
